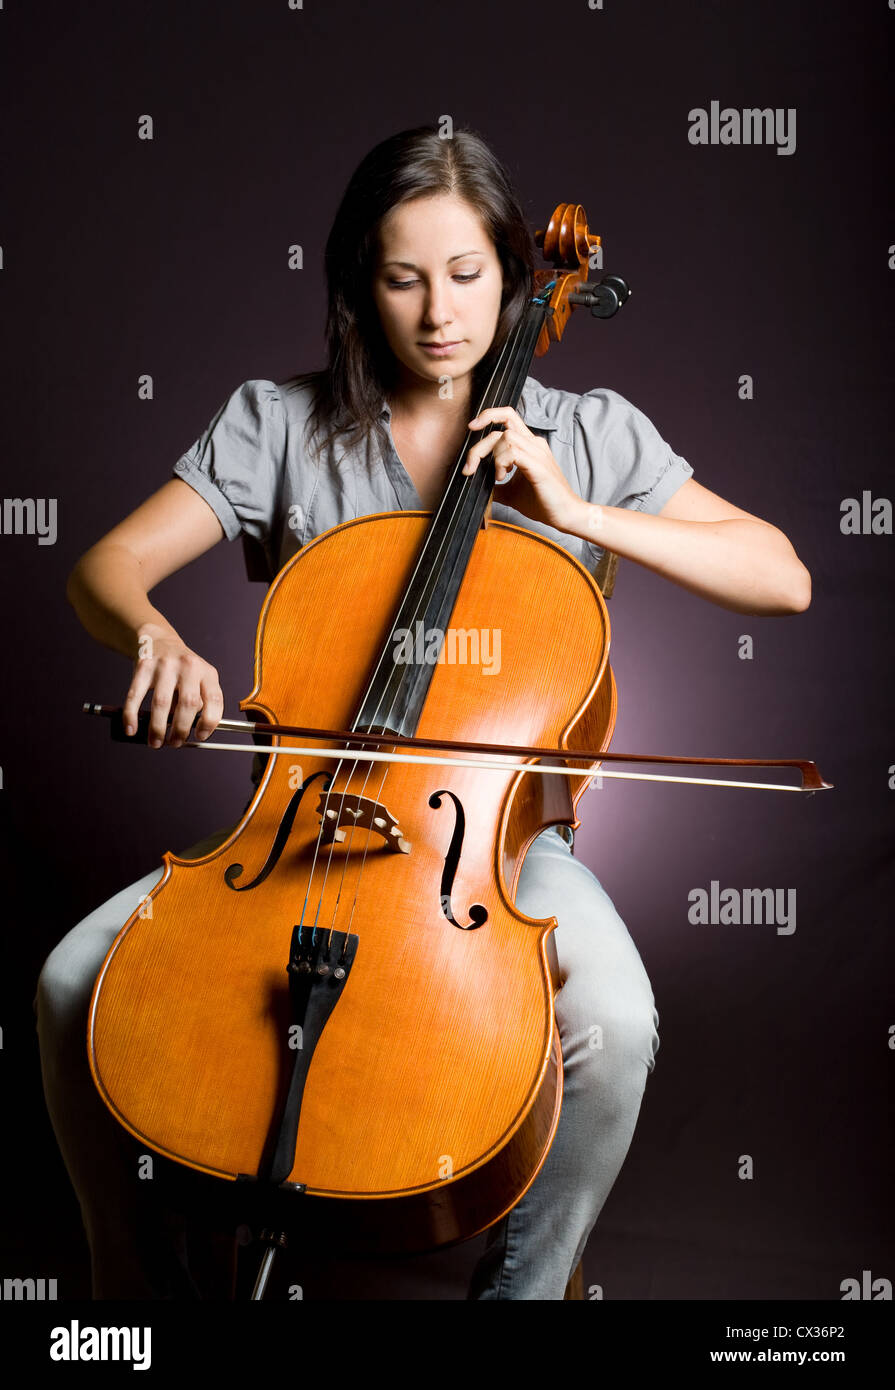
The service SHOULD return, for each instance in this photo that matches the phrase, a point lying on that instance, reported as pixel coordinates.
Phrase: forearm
(107, 591)
(746, 566)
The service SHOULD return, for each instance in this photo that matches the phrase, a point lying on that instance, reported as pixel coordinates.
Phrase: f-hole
(478, 912)
(233, 871)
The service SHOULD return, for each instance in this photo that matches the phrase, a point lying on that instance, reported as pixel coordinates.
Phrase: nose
(439, 306)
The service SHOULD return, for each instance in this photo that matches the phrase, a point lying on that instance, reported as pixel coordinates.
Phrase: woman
(429, 267)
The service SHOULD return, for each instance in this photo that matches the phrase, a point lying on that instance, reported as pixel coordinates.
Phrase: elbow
(798, 594)
(76, 584)
(793, 579)
(73, 584)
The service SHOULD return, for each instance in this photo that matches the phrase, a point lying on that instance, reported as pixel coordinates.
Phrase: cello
(340, 1008)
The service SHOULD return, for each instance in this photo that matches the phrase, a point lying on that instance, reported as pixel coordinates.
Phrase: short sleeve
(237, 463)
(621, 458)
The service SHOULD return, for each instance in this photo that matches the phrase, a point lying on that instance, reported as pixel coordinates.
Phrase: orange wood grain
(434, 1092)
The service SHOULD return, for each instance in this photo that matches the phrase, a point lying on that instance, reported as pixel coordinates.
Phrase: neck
(414, 398)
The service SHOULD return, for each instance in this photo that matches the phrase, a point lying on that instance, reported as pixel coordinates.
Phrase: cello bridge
(341, 809)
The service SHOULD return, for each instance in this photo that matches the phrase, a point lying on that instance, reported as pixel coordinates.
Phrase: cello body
(430, 1095)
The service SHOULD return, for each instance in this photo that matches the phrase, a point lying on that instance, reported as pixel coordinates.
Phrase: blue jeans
(607, 1023)
(608, 1028)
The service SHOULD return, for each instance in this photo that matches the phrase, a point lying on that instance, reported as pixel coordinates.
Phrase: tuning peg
(603, 299)
(620, 286)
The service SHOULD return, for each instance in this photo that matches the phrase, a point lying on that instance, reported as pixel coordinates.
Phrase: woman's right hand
(109, 588)
(182, 684)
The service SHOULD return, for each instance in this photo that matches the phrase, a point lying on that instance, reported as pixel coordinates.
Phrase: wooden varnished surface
(439, 1049)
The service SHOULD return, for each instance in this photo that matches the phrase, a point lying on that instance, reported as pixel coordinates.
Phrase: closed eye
(407, 284)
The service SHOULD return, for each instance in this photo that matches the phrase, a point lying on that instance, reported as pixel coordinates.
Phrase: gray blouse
(253, 468)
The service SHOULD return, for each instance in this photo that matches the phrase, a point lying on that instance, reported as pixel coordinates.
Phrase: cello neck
(395, 696)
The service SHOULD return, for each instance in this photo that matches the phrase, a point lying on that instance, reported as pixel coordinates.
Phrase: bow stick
(811, 780)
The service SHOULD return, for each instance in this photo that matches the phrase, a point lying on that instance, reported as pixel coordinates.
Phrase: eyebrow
(408, 265)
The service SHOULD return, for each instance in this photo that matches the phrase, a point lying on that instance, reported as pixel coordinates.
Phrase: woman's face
(438, 280)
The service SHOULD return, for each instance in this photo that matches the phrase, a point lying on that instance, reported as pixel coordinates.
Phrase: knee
(62, 999)
(626, 1038)
(609, 1042)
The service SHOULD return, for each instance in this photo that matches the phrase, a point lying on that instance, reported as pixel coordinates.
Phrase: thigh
(604, 985)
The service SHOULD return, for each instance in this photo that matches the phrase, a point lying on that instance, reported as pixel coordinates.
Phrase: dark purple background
(124, 257)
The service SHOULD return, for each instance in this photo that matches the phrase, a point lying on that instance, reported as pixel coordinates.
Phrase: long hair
(415, 163)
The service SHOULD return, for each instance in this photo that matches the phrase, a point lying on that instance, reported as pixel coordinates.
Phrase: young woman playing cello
(429, 267)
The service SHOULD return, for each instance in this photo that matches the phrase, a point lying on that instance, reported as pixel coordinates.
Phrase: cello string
(500, 367)
(505, 357)
(503, 366)
(506, 352)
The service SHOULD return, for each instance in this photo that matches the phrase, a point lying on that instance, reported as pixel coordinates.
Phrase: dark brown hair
(414, 163)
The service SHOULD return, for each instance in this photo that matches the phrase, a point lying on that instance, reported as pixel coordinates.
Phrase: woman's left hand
(539, 489)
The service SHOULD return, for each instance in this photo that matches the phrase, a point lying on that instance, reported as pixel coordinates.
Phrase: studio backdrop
(171, 175)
